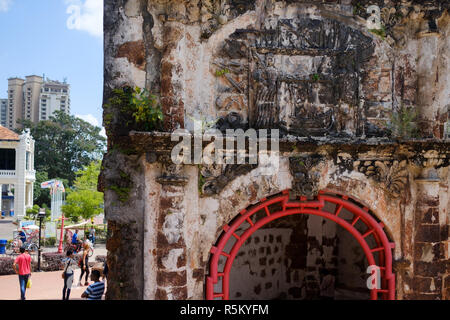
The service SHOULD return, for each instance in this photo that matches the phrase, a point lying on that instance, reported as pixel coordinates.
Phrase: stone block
(428, 233)
(429, 269)
(171, 279)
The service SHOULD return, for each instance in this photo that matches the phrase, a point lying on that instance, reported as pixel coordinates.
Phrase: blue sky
(58, 38)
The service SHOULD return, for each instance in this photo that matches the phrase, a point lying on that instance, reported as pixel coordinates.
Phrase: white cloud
(103, 132)
(4, 5)
(88, 118)
(92, 120)
(85, 15)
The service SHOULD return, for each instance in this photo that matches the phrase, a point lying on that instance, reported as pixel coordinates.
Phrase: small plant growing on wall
(315, 77)
(139, 108)
(403, 123)
(221, 72)
(379, 32)
(146, 110)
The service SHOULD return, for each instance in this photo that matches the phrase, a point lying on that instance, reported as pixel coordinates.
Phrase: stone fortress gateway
(364, 151)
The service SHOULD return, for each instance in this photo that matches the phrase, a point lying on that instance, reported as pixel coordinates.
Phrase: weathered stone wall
(361, 113)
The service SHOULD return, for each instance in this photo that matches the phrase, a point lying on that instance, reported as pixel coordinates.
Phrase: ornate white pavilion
(16, 171)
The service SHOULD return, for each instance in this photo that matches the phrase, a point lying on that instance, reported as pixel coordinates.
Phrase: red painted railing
(302, 206)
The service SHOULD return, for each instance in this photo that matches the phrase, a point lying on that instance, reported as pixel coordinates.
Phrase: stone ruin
(363, 120)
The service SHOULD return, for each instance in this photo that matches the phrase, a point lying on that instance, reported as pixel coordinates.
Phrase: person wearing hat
(22, 266)
(23, 236)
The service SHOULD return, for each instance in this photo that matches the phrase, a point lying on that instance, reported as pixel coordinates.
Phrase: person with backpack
(67, 275)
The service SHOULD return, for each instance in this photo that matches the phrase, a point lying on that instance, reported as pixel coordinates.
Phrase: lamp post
(41, 215)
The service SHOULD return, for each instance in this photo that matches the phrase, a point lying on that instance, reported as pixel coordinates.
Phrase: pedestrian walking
(95, 290)
(92, 235)
(22, 266)
(84, 264)
(69, 264)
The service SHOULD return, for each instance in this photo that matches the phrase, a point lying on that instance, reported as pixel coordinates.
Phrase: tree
(64, 145)
(41, 196)
(83, 200)
(32, 213)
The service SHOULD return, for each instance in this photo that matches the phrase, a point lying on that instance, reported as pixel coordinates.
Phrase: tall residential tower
(34, 99)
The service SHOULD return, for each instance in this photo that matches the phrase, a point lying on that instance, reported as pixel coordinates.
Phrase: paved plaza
(45, 286)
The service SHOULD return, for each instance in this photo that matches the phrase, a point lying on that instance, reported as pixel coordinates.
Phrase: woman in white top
(69, 264)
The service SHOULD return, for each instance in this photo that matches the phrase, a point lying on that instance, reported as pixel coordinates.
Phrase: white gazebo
(17, 171)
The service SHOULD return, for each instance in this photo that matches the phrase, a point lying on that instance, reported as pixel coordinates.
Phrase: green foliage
(83, 200)
(146, 110)
(31, 213)
(122, 192)
(49, 242)
(41, 196)
(221, 72)
(379, 32)
(402, 123)
(87, 179)
(315, 77)
(63, 145)
(139, 104)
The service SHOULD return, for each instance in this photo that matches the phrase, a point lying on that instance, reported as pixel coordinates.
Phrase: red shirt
(24, 262)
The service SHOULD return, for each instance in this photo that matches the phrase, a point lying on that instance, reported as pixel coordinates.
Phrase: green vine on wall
(121, 187)
(122, 192)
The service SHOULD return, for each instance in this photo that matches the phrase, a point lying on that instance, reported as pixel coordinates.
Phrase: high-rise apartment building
(35, 99)
(3, 111)
(15, 101)
(54, 96)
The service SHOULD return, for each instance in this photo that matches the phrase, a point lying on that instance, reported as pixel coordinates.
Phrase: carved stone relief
(171, 172)
(391, 174)
(213, 178)
(400, 18)
(305, 175)
(300, 75)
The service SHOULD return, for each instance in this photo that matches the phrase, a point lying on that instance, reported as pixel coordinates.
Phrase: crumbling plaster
(174, 225)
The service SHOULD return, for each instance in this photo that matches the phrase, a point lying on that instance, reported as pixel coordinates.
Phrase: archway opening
(283, 248)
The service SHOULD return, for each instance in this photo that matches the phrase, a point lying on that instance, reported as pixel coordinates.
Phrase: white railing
(30, 174)
(8, 173)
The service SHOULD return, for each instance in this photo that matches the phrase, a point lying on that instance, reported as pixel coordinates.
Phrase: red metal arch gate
(314, 207)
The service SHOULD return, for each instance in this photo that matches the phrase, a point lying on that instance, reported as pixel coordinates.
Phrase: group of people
(77, 243)
(94, 291)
